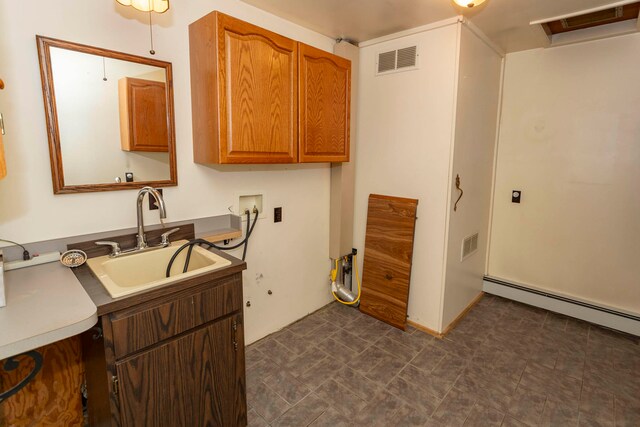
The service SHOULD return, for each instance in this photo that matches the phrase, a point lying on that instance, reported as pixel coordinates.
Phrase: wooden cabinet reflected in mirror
(109, 114)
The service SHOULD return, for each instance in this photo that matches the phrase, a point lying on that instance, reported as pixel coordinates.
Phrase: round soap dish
(73, 258)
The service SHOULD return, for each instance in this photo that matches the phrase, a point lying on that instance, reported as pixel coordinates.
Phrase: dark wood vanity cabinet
(177, 360)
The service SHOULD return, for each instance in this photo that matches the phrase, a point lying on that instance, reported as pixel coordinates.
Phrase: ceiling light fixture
(158, 6)
(464, 3)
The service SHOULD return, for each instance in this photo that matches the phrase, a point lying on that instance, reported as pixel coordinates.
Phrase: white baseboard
(589, 312)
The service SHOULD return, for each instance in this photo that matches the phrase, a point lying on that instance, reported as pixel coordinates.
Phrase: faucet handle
(115, 247)
(165, 236)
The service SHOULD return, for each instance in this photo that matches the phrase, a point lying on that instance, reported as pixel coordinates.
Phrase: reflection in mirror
(109, 116)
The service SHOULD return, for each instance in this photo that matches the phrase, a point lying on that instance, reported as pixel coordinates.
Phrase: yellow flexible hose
(333, 277)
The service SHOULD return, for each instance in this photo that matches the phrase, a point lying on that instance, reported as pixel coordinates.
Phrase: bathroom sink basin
(144, 270)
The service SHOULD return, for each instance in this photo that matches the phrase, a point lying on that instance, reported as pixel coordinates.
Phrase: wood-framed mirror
(110, 118)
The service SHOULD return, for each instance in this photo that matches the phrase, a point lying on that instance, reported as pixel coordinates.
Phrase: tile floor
(505, 364)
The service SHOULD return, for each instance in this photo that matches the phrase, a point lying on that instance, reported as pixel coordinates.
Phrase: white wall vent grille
(387, 61)
(407, 57)
(469, 246)
(403, 59)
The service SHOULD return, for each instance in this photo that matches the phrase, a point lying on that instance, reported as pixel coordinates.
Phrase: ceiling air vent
(592, 19)
(398, 60)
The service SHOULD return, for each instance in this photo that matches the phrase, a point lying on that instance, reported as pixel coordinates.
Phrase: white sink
(133, 273)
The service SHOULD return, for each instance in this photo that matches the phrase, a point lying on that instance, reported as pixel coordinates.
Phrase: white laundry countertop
(45, 303)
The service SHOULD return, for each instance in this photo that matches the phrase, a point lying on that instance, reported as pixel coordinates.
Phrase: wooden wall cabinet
(143, 115)
(243, 92)
(324, 104)
(259, 97)
(177, 360)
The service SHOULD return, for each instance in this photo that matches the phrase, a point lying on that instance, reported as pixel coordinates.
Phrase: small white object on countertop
(45, 303)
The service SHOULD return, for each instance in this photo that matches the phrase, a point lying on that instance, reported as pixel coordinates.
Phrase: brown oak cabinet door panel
(143, 115)
(388, 252)
(244, 87)
(324, 102)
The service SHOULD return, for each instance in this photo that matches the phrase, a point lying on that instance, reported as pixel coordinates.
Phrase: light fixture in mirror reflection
(109, 117)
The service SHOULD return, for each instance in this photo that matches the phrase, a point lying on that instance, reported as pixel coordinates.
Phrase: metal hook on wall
(455, 205)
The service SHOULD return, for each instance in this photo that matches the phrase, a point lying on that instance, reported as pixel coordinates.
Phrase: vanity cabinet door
(243, 92)
(324, 102)
(196, 379)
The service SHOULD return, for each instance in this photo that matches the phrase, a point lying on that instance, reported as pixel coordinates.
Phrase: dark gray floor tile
(454, 348)
(555, 321)
(305, 361)
(295, 343)
(252, 356)
(450, 367)
(303, 413)
(587, 420)
(527, 406)
(276, 351)
(308, 325)
(416, 341)
(350, 340)
(559, 414)
(369, 359)
(627, 414)
(428, 358)
(255, 420)
(287, 387)
(509, 421)
(340, 398)
(319, 373)
(380, 411)
(455, 407)
(400, 351)
(408, 416)
(571, 364)
(321, 334)
(598, 404)
(338, 352)
(262, 369)
(267, 403)
(356, 383)
(484, 416)
(437, 386)
(331, 418)
(385, 371)
(414, 394)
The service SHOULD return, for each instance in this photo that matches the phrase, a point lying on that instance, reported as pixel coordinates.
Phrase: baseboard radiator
(592, 313)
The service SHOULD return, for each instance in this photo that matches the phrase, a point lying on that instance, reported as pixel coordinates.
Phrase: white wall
(473, 152)
(405, 126)
(291, 258)
(569, 139)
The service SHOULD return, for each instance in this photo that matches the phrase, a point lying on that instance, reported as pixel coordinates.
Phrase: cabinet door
(244, 85)
(197, 379)
(143, 115)
(324, 102)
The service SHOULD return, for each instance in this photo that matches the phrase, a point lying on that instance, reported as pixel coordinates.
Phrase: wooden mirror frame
(55, 152)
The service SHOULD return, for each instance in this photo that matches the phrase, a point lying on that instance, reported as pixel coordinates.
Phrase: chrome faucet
(141, 244)
(142, 240)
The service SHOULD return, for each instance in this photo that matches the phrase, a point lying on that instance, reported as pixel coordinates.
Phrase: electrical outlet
(277, 214)
(515, 196)
(152, 202)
